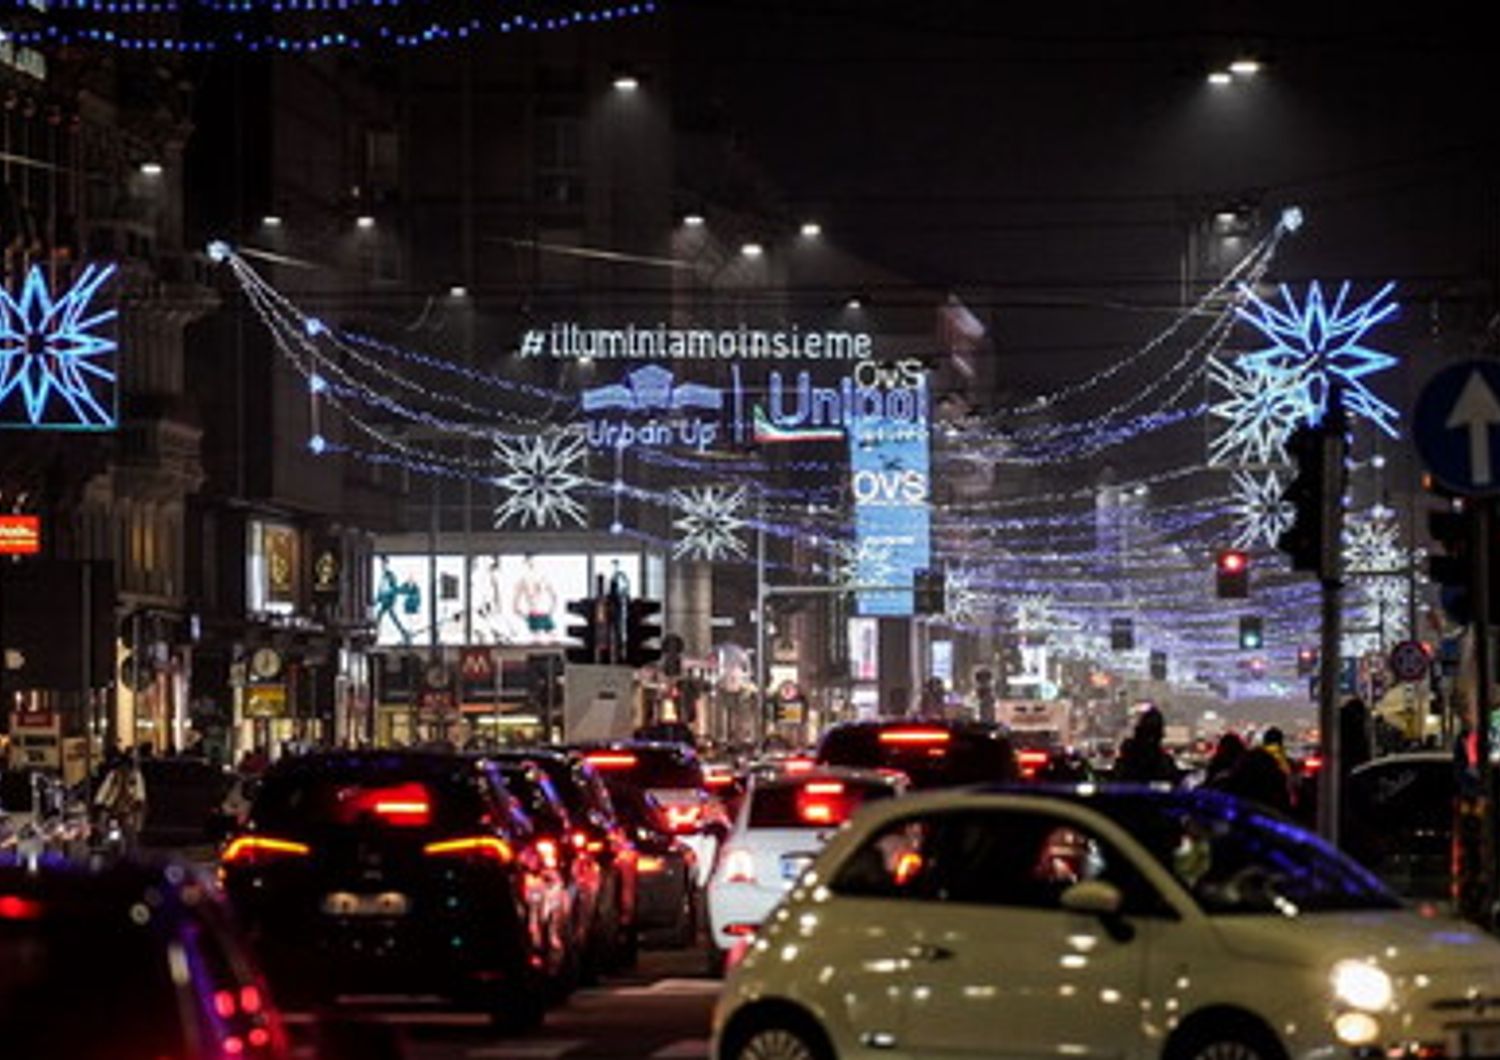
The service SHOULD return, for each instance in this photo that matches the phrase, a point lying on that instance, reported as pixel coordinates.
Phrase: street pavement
(660, 1011)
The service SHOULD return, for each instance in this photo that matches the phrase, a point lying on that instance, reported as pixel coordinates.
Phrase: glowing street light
(811, 229)
(1244, 68)
(752, 250)
(151, 169)
(1220, 77)
(271, 220)
(364, 220)
(626, 83)
(693, 220)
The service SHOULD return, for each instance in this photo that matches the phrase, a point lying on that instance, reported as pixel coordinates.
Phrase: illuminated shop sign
(889, 477)
(20, 535)
(663, 343)
(652, 407)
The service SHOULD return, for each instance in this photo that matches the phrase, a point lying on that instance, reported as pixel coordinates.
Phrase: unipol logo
(890, 487)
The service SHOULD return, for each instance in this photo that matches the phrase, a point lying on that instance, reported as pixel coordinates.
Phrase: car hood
(1399, 940)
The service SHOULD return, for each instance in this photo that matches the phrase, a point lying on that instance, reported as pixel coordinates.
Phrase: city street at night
(749, 530)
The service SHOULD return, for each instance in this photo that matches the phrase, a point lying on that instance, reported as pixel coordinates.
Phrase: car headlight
(1361, 985)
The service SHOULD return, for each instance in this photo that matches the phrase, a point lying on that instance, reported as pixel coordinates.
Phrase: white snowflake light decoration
(1372, 546)
(541, 477)
(710, 523)
(866, 562)
(1260, 515)
(1034, 613)
(1261, 409)
(964, 600)
(52, 357)
(1324, 342)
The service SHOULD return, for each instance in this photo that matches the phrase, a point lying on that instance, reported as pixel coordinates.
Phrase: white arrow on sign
(1477, 409)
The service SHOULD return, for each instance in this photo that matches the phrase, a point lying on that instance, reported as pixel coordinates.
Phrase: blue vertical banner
(889, 467)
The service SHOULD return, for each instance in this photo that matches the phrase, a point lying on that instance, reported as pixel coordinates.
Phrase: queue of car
(907, 888)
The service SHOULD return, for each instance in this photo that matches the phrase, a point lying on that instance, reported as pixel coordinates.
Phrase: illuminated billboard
(889, 468)
(508, 599)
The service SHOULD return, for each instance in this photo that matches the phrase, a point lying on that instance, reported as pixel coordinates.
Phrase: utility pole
(1331, 576)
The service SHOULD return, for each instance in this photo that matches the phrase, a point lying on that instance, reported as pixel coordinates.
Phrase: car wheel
(1244, 1041)
(779, 1041)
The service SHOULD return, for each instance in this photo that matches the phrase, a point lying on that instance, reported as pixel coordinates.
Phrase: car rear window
(383, 798)
(929, 755)
(813, 803)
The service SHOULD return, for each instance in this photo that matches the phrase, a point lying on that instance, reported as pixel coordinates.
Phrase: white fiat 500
(782, 824)
(1101, 923)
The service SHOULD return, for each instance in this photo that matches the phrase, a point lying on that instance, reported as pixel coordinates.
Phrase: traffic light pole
(1482, 522)
(1331, 577)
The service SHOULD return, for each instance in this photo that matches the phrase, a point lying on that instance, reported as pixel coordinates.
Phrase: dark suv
(400, 872)
(930, 754)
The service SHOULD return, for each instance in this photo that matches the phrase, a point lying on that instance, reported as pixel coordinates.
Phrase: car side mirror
(1092, 897)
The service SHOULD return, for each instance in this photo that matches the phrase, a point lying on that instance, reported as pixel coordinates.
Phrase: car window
(1000, 858)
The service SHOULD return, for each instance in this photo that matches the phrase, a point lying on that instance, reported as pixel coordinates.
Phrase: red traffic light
(1233, 561)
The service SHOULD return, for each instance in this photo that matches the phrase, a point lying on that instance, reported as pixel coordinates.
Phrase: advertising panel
(889, 467)
(864, 649)
(523, 599)
(402, 594)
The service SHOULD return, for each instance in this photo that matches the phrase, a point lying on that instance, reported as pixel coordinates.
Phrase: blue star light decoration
(57, 371)
(1261, 408)
(1260, 514)
(710, 523)
(1320, 343)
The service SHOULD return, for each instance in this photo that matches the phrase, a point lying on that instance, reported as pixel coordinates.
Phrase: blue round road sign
(1457, 427)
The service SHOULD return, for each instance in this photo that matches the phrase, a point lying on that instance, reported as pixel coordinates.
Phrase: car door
(992, 964)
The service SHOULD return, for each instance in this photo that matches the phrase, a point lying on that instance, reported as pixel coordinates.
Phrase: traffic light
(1302, 541)
(585, 632)
(931, 592)
(1252, 635)
(1121, 634)
(1232, 574)
(642, 633)
(1452, 568)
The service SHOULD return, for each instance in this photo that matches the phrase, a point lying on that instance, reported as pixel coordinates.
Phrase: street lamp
(811, 230)
(365, 221)
(271, 220)
(1220, 77)
(1244, 67)
(752, 250)
(626, 83)
(693, 220)
(151, 169)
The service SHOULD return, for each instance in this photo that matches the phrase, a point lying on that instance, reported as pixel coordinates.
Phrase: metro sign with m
(20, 535)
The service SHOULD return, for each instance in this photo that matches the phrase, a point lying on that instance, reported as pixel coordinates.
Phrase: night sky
(1045, 161)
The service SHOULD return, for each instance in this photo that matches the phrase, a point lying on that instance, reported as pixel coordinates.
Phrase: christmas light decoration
(1263, 406)
(56, 370)
(863, 562)
(320, 25)
(710, 522)
(541, 476)
(1324, 343)
(1260, 515)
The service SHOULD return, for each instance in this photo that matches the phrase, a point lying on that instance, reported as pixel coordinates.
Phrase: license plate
(792, 866)
(347, 903)
(1474, 1040)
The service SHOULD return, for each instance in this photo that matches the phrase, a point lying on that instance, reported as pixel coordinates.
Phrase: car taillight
(611, 760)
(907, 867)
(798, 765)
(403, 805)
(718, 781)
(650, 864)
(921, 737)
(1031, 761)
(258, 849)
(548, 851)
(681, 818)
(488, 847)
(1312, 763)
(14, 907)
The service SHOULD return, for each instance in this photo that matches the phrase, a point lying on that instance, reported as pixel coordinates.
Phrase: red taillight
(1312, 763)
(681, 818)
(907, 867)
(549, 853)
(234, 1045)
(741, 930)
(259, 1037)
(14, 907)
(403, 805)
(224, 1003)
(916, 736)
(250, 1002)
(256, 849)
(1031, 761)
(718, 780)
(819, 812)
(479, 846)
(650, 864)
(823, 787)
(611, 760)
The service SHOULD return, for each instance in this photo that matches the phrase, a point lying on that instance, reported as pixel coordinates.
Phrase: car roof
(849, 773)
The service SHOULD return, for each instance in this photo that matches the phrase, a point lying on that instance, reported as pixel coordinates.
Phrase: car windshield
(368, 796)
(930, 756)
(1234, 859)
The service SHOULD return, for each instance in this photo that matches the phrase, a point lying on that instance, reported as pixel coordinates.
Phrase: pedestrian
(1142, 758)
(122, 798)
(1228, 754)
(1259, 779)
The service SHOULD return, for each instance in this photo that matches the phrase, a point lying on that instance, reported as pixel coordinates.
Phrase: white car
(783, 822)
(1122, 923)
